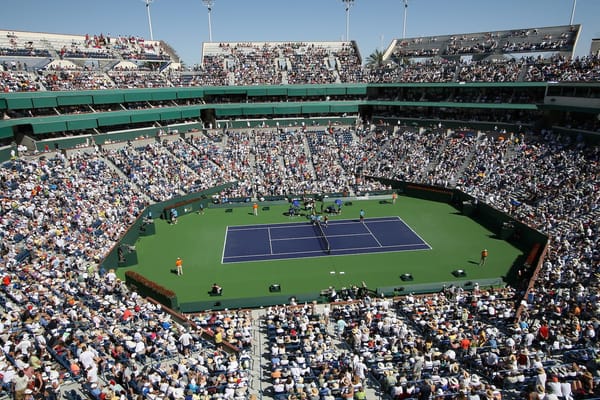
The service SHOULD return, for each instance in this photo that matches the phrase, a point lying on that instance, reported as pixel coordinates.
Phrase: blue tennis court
(303, 239)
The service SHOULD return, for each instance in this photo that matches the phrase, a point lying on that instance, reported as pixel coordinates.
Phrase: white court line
(416, 234)
(333, 251)
(279, 254)
(275, 225)
(374, 237)
(319, 252)
(270, 241)
(224, 244)
(316, 237)
(380, 247)
(342, 253)
(354, 221)
(283, 225)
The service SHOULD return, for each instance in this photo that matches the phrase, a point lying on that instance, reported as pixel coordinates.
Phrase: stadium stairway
(111, 165)
(434, 162)
(308, 153)
(468, 159)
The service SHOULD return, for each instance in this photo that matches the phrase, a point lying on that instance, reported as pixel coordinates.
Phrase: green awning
(258, 91)
(108, 98)
(6, 132)
(145, 116)
(44, 102)
(356, 90)
(192, 93)
(336, 90)
(343, 108)
(49, 127)
(287, 109)
(82, 123)
(293, 91)
(250, 109)
(135, 95)
(315, 91)
(224, 112)
(19, 103)
(120, 118)
(315, 108)
(73, 100)
(170, 115)
(190, 113)
(164, 94)
(213, 90)
(277, 91)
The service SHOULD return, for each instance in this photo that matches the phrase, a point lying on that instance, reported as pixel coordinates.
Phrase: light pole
(573, 12)
(148, 2)
(349, 4)
(209, 6)
(404, 23)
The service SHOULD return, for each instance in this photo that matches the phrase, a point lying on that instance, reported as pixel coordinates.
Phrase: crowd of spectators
(263, 162)
(66, 324)
(490, 72)
(75, 80)
(253, 64)
(457, 344)
(557, 68)
(155, 170)
(274, 63)
(65, 319)
(312, 65)
(449, 345)
(138, 79)
(549, 39)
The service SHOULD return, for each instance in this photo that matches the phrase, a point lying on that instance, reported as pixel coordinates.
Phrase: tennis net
(322, 237)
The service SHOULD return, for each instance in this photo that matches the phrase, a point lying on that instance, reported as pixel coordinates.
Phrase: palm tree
(375, 59)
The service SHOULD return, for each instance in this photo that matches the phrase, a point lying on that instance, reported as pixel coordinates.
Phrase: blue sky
(373, 23)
